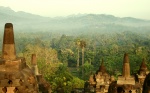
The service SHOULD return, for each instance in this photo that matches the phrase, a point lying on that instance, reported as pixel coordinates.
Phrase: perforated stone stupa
(126, 83)
(146, 85)
(101, 80)
(142, 73)
(44, 86)
(15, 75)
(144, 77)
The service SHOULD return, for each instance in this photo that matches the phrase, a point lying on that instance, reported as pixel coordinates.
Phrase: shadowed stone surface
(146, 86)
(142, 73)
(8, 34)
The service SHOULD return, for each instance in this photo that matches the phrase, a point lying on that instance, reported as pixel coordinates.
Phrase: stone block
(133, 91)
(31, 80)
(14, 65)
(2, 76)
(2, 68)
(35, 70)
(8, 52)
(2, 62)
(11, 76)
(16, 82)
(4, 82)
(10, 90)
(31, 87)
(18, 75)
(141, 76)
(1, 91)
(7, 82)
(123, 80)
(39, 78)
(21, 88)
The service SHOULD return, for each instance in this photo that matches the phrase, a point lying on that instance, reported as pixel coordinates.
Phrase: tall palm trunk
(78, 56)
(78, 59)
(82, 45)
(82, 56)
(82, 61)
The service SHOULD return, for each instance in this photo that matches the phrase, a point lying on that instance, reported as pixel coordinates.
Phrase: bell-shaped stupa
(15, 75)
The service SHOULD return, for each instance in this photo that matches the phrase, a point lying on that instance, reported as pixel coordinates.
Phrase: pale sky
(54, 8)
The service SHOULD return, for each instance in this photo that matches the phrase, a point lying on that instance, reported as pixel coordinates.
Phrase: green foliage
(110, 47)
(53, 50)
(62, 80)
(87, 68)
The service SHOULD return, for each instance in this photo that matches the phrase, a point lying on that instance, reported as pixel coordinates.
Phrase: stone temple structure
(44, 86)
(142, 73)
(125, 83)
(146, 85)
(101, 80)
(15, 75)
(144, 77)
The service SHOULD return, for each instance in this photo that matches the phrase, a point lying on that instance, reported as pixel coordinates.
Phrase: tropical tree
(82, 45)
(63, 81)
(78, 48)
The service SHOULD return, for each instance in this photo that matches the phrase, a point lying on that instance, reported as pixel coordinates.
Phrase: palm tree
(82, 45)
(78, 46)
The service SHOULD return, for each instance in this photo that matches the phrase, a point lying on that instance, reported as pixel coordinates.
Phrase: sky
(54, 8)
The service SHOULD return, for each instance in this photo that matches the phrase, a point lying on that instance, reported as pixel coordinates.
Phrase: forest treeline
(68, 61)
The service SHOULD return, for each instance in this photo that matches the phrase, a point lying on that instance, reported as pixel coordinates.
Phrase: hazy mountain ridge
(75, 23)
(20, 14)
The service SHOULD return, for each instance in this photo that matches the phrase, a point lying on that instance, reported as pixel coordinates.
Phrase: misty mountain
(83, 23)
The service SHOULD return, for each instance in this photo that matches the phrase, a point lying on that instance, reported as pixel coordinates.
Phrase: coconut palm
(78, 47)
(82, 45)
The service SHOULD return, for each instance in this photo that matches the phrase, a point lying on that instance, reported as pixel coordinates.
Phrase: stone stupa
(126, 82)
(15, 75)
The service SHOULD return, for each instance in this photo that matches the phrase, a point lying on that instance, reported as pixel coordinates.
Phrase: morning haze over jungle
(72, 24)
(83, 53)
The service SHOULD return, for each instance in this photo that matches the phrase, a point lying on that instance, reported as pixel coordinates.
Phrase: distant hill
(86, 23)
